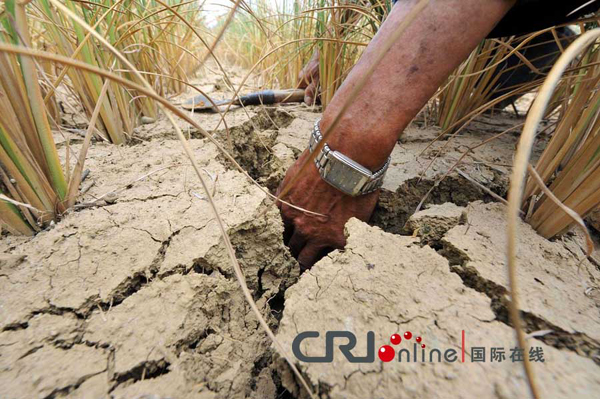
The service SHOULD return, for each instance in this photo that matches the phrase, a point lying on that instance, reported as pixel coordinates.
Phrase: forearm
(434, 44)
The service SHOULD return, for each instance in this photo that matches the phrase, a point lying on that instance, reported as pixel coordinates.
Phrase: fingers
(297, 243)
(305, 77)
(310, 254)
(310, 93)
(303, 82)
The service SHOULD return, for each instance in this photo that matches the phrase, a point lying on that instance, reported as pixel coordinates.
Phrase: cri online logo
(346, 341)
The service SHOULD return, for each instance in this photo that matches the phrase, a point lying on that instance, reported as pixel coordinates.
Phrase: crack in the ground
(252, 142)
(392, 214)
(20, 325)
(394, 208)
(124, 290)
(578, 343)
(144, 371)
(149, 198)
(264, 361)
(359, 371)
(137, 281)
(65, 391)
(50, 309)
(30, 352)
(193, 340)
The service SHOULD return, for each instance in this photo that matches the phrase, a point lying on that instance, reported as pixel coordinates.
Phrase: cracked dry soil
(136, 298)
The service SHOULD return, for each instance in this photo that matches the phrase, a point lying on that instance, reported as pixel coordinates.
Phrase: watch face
(345, 174)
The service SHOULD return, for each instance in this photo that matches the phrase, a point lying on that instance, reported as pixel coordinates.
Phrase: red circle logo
(386, 353)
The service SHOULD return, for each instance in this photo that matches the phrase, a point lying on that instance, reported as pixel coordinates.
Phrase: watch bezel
(338, 172)
(342, 172)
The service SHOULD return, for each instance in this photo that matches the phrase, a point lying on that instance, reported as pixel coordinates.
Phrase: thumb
(312, 253)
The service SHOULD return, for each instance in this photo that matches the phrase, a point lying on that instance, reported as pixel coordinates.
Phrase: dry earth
(132, 295)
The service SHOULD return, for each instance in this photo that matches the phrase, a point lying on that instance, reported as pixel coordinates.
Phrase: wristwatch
(343, 173)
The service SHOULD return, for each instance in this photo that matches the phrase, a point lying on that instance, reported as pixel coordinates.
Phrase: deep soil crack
(145, 371)
(578, 343)
(252, 142)
(65, 391)
(394, 208)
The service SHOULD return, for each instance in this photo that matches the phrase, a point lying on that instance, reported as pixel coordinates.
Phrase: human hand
(308, 79)
(311, 237)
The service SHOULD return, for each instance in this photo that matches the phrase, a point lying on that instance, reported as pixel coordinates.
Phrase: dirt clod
(431, 224)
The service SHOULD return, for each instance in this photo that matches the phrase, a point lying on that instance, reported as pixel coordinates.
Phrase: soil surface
(132, 294)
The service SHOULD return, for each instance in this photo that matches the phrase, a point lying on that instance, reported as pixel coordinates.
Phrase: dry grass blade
(77, 171)
(17, 203)
(219, 36)
(572, 214)
(517, 183)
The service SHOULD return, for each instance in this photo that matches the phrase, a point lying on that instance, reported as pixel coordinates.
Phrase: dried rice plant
(496, 73)
(277, 40)
(570, 164)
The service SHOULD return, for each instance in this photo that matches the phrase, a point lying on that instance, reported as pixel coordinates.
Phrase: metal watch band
(342, 172)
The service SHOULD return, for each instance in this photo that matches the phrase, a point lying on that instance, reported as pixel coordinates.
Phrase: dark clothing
(542, 51)
(531, 15)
